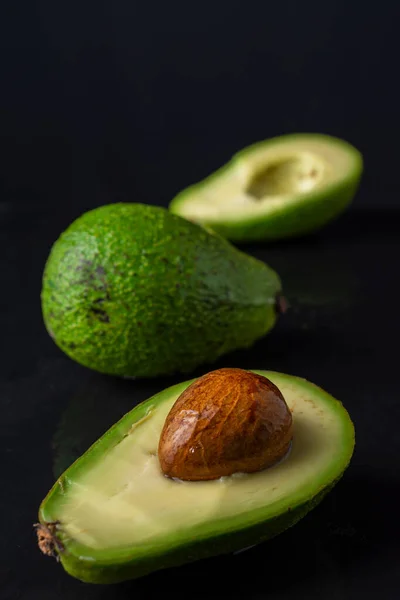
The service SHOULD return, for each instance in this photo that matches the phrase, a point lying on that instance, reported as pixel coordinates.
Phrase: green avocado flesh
(118, 517)
(133, 290)
(281, 187)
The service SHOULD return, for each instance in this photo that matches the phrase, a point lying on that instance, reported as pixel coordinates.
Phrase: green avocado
(282, 187)
(133, 290)
(113, 515)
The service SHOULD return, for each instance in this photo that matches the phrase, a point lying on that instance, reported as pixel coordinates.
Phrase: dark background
(106, 101)
(109, 101)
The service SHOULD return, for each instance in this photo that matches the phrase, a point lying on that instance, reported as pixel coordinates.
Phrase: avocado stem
(281, 304)
(47, 540)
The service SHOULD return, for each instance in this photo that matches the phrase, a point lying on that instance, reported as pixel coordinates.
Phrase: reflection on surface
(98, 403)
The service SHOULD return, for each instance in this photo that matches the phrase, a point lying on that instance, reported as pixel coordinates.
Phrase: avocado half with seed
(113, 515)
(278, 188)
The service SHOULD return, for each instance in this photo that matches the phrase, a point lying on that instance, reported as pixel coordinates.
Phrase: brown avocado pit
(228, 421)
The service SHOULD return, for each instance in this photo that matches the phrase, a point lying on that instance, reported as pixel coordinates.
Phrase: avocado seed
(226, 422)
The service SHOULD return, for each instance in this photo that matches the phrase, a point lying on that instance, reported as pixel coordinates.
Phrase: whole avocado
(133, 290)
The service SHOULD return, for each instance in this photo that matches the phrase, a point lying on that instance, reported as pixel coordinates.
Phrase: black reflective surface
(341, 332)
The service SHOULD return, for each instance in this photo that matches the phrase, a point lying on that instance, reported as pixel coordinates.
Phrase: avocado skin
(133, 290)
(114, 570)
(315, 210)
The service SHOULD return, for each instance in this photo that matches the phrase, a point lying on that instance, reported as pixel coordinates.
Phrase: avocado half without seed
(206, 467)
(279, 188)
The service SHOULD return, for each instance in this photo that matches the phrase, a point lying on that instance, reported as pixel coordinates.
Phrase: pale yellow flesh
(124, 499)
(288, 169)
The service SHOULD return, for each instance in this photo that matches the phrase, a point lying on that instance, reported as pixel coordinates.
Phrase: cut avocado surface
(113, 515)
(133, 290)
(281, 187)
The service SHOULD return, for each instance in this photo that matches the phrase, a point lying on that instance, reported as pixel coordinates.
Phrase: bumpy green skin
(232, 534)
(312, 211)
(133, 290)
